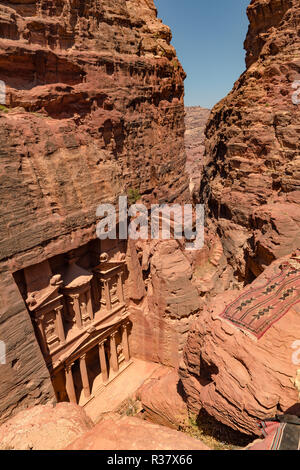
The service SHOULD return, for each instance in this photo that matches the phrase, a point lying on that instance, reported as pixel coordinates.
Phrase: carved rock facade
(94, 109)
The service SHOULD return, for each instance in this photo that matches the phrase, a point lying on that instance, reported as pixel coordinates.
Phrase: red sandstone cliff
(94, 108)
(195, 122)
(251, 190)
(231, 374)
(251, 179)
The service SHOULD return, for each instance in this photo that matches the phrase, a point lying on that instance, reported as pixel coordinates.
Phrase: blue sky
(208, 36)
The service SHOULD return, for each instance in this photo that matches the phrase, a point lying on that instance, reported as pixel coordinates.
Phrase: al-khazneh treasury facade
(95, 108)
(81, 322)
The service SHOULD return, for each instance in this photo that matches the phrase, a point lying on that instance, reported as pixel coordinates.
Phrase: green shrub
(3, 108)
(130, 408)
(133, 195)
(175, 64)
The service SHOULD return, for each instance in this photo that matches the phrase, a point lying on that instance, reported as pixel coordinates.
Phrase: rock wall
(67, 427)
(235, 377)
(195, 123)
(251, 178)
(168, 289)
(94, 109)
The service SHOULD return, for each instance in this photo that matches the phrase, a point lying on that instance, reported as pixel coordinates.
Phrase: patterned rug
(280, 433)
(258, 309)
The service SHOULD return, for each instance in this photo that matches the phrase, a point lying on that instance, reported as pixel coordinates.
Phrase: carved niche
(110, 277)
(77, 293)
(46, 306)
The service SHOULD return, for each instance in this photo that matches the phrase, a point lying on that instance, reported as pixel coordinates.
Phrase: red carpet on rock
(258, 309)
(281, 435)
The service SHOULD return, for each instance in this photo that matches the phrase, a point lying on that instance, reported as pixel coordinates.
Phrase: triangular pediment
(37, 300)
(88, 337)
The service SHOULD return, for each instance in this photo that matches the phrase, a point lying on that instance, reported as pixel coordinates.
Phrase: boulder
(237, 377)
(44, 427)
(128, 433)
(162, 401)
(195, 123)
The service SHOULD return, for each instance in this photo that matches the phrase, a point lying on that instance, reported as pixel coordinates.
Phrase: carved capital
(126, 325)
(91, 330)
(68, 367)
(59, 309)
(113, 334)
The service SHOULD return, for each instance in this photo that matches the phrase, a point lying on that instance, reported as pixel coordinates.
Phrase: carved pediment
(38, 300)
(42, 286)
(108, 269)
(89, 336)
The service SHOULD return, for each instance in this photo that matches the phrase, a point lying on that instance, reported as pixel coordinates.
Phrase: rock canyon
(139, 344)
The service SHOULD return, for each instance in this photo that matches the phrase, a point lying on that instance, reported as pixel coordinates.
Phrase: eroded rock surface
(235, 377)
(251, 178)
(172, 284)
(128, 433)
(66, 426)
(44, 427)
(162, 401)
(195, 122)
(94, 109)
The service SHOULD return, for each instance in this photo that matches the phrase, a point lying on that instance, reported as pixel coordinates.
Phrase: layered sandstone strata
(195, 122)
(162, 401)
(251, 178)
(235, 376)
(94, 109)
(169, 286)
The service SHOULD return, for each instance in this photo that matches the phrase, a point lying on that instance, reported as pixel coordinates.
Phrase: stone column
(89, 305)
(125, 343)
(95, 292)
(120, 288)
(107, 294)
(103, 362)
(59, 324)
(70, 383)
(113, 353)
(77, 310)
(41, 332)
(84, 376)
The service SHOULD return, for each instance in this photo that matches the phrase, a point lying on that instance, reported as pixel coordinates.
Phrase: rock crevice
(251, 177)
